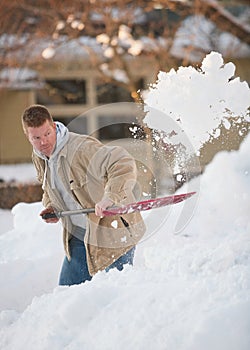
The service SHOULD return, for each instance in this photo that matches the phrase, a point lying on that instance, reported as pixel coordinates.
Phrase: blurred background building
(77, 56)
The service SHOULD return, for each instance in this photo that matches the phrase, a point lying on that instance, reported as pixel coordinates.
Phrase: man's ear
(25, 132)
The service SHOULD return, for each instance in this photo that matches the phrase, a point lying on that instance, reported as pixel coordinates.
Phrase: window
(70, 91)
(110, 93)
(78, 125)
(118, 127)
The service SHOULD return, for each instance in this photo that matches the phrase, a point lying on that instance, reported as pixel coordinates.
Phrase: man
(78, 171)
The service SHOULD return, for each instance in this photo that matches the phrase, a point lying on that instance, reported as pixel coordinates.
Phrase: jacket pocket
(77, 185)
(85, 192)
(125, 223)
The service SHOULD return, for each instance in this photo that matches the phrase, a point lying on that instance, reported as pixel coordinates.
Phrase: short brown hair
(35, 115)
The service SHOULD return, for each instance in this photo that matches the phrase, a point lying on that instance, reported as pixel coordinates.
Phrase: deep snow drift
(186, 291)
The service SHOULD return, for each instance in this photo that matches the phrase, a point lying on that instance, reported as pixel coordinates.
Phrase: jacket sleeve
(117, 168)
(121, 173)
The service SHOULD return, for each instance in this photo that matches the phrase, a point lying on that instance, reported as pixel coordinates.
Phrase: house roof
(19, 79)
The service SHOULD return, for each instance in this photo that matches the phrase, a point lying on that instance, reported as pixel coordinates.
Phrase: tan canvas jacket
(92, 171)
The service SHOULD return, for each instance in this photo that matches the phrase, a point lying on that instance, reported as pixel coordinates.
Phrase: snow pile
(186, 291)
(31, 255)
(197, 100)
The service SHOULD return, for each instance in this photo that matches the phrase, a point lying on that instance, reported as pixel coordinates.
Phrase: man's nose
(43, 141)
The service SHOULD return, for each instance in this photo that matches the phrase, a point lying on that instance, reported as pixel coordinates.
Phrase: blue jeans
(76, 270)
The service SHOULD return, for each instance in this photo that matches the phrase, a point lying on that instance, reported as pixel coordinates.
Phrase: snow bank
(31, 255)
(18, 172)
(187, 291)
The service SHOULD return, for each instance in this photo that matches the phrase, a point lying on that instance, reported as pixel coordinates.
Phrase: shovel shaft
(60, 214)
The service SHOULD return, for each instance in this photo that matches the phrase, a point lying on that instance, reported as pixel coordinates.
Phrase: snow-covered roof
(203, 35)
(19, 79)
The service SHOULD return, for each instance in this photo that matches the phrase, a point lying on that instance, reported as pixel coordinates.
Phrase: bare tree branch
(223, 19)
(29, 21)
(212, 10)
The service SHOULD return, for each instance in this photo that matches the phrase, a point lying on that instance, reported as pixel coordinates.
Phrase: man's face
(43, 138)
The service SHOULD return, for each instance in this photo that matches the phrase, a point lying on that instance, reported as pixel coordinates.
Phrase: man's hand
(102, 205)
(46, 211)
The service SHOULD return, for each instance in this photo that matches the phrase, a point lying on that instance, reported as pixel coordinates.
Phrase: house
(66, 81)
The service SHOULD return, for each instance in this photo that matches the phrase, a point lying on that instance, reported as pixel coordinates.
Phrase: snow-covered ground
(19, 172)
(186, 291)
